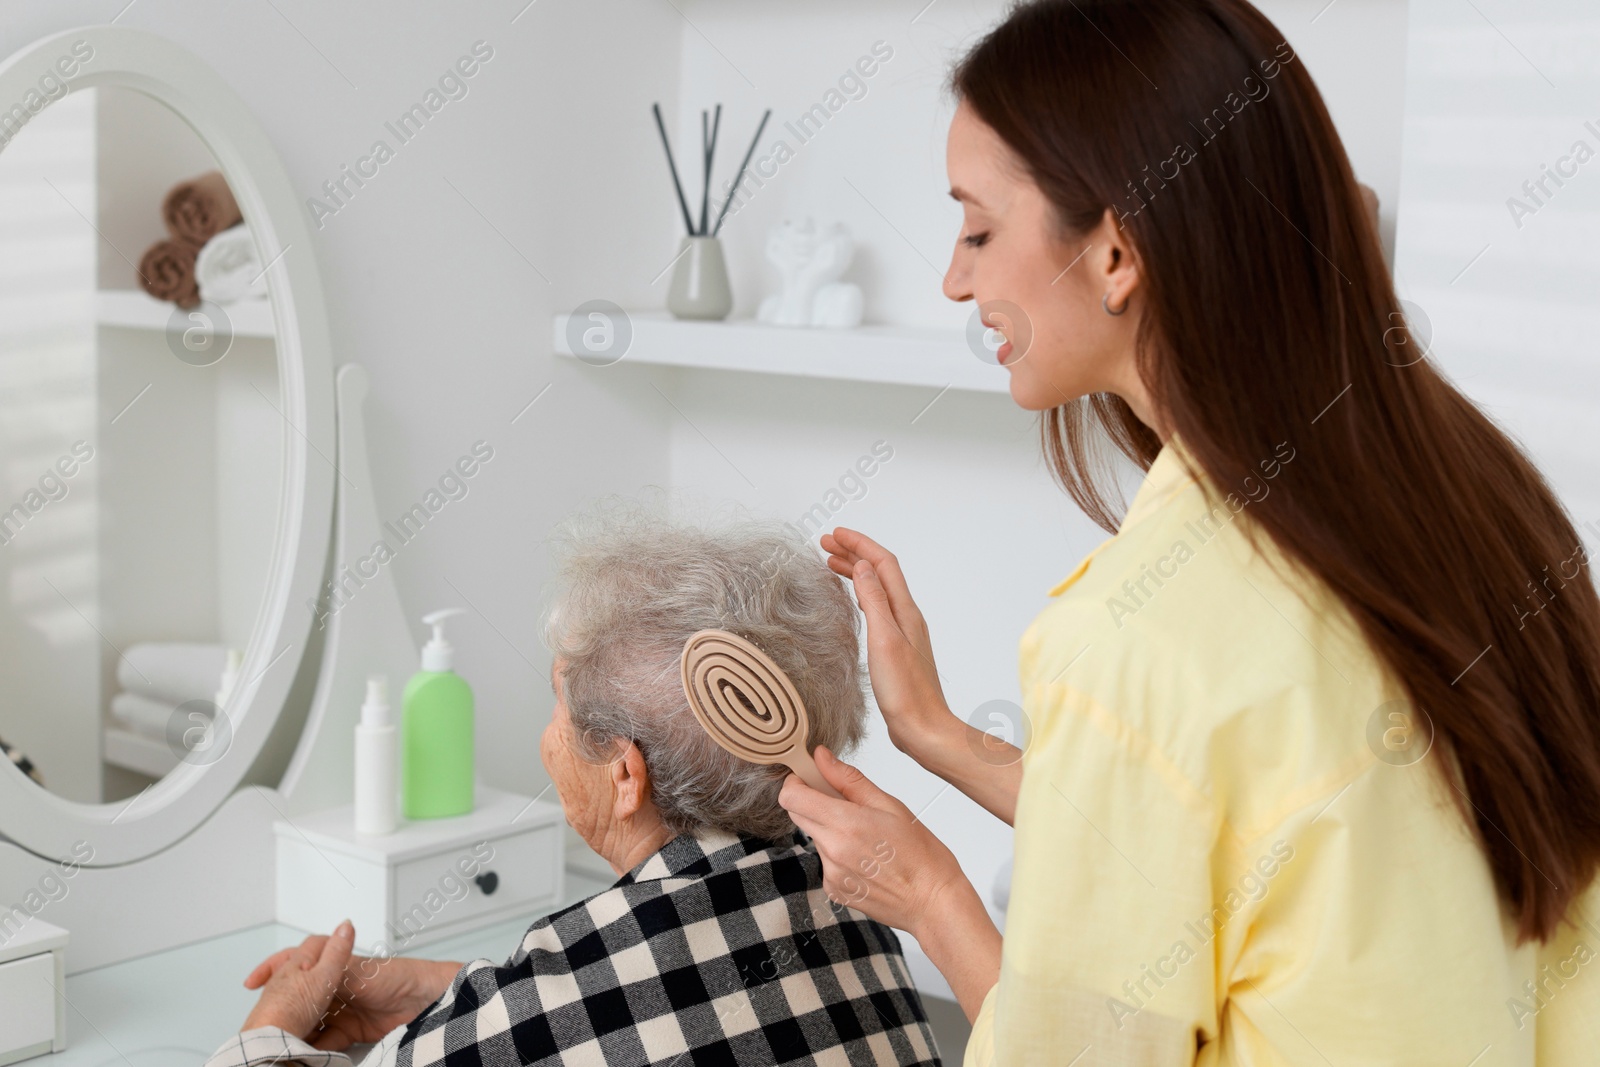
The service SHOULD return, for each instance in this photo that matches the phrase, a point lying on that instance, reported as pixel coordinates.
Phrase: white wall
(1510, 292)
(878, 165)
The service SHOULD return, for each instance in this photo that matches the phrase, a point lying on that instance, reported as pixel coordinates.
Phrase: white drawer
(427, 880)
(27, 1006)
(471, 882)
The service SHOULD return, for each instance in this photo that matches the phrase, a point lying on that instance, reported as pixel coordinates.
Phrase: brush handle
(800, 762)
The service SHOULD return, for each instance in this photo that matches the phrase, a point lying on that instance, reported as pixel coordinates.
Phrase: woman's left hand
(876, 856)
(297, 996)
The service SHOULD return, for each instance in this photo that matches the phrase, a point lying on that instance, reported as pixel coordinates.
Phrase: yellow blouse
(1234, 844)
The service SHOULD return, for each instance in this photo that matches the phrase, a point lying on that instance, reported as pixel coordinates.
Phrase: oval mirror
(166, 418)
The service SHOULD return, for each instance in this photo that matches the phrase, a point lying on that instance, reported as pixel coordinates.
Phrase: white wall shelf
(896, 355)
(140, 311)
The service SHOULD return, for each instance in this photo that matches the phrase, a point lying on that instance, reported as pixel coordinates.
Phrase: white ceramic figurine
(810, 261)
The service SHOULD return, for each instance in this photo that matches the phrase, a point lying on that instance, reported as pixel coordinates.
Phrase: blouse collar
(1168, 476)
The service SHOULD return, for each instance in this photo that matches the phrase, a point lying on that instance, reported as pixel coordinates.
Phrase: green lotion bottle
(436, 732)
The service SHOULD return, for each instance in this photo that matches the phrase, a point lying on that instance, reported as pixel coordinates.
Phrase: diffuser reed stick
(709, 128)
(682, 203)
(739, 177)
(709, 146)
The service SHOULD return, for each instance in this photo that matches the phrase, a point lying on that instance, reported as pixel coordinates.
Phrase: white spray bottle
(377, 784)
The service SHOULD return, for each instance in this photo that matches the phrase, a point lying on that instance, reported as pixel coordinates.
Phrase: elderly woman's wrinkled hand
(297, 996)
(375, 993)
(876, 856)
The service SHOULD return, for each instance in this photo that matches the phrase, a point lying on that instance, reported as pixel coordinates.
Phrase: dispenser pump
(439, 654)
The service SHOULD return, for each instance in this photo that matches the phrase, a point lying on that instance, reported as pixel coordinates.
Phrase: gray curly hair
(634, 585)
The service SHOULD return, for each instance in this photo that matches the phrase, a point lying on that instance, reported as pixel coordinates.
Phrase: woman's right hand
(905, 681)
(375, 995)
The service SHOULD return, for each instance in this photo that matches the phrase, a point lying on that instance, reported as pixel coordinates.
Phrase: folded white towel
(228, 267)
(143, 715)
(172, 671)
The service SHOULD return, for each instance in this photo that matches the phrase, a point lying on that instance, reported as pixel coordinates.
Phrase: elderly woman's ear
(630, 781)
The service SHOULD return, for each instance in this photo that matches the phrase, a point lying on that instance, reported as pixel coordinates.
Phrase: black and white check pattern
(717, 950)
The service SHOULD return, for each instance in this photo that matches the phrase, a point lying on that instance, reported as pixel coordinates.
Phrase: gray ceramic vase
(699, 288)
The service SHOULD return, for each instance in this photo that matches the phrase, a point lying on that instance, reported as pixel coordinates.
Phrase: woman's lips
(1004, 350)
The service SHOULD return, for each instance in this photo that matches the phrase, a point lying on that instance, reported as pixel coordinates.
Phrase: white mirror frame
(133, 829)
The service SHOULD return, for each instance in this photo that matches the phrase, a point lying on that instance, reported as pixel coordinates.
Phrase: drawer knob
(488, 881)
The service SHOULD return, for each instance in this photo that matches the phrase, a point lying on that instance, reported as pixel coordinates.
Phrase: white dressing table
(175, 1007)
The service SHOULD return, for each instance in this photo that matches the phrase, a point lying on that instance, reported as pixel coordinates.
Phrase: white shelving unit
(895, 355)
(138, 310)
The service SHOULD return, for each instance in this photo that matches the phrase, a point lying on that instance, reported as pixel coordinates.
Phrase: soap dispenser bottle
(436, 732)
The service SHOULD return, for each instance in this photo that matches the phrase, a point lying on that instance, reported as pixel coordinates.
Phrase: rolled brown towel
(200, 208)
(167, 272)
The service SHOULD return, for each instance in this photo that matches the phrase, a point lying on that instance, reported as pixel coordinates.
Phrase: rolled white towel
(143, 715)
(228, 267)
(172, 671)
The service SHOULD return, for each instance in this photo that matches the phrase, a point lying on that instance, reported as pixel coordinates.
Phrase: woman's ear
(1113, 262)
(630, 781)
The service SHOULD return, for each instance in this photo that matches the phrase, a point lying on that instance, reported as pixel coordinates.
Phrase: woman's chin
(1032, 392)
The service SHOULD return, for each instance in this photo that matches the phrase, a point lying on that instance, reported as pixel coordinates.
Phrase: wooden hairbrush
(748, 705)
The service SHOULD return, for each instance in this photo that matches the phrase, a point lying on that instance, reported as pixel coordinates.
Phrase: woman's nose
(957, 279)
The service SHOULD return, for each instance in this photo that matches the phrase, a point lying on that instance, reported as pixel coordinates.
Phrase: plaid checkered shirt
(715, 950)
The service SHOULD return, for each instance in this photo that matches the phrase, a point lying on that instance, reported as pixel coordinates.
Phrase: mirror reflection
(142, 445)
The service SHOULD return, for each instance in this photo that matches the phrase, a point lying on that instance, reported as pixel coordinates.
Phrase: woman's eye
(975, 240)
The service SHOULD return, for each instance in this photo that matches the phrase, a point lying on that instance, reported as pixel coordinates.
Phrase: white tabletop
(174, 1008)
(31, 937)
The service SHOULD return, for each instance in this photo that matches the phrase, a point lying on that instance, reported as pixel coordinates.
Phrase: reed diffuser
(699, 288)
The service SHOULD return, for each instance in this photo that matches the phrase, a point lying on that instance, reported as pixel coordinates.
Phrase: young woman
(1314, 766)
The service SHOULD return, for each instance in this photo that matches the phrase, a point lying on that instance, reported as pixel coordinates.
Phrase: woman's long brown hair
(1268, 316)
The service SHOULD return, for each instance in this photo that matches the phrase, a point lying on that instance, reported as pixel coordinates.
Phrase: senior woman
(718, 943)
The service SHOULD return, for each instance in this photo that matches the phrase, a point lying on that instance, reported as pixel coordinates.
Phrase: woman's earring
(1105, 302)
